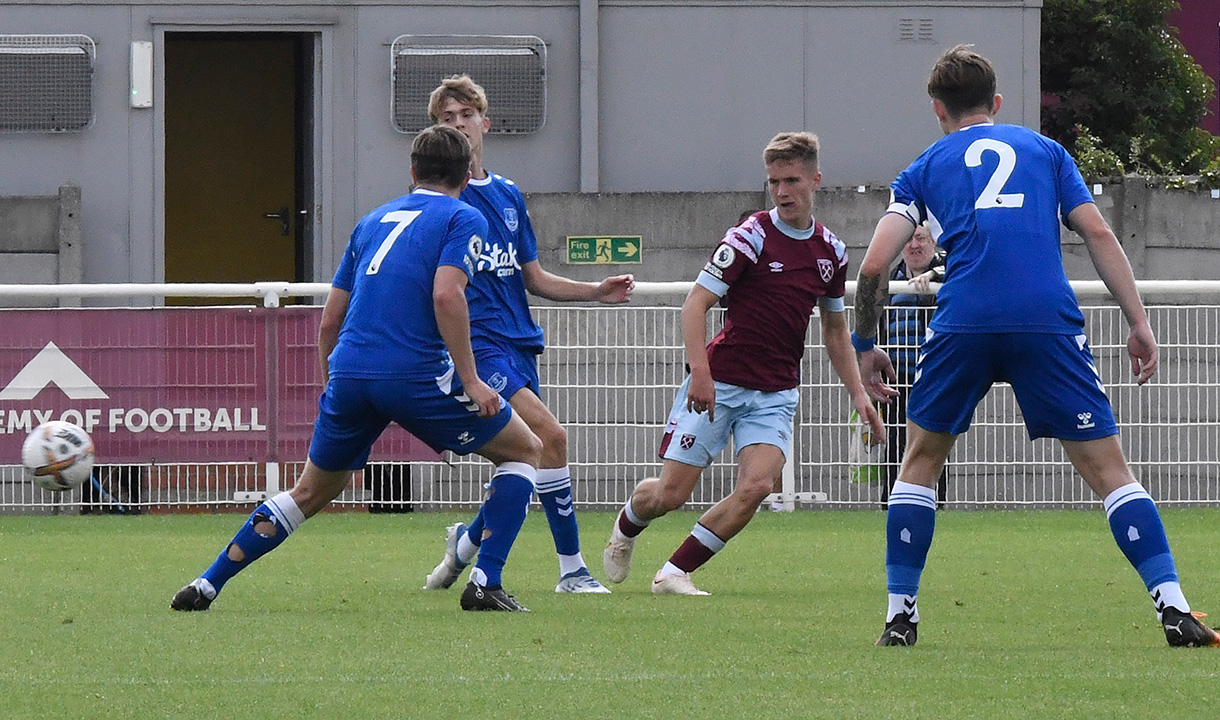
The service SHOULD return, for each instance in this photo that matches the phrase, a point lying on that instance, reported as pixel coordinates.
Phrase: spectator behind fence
(394, 346)
(1007, 314)
(902, 330)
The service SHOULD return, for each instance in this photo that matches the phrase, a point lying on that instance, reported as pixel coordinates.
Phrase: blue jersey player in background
(394, 344)
(507, 341)
(994, 196)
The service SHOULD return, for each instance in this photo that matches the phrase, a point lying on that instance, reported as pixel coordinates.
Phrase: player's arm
(614, 289)
(701, 393)
(453, 321)
(837, 340)
(893, 231)
(1115, 271)
(328, 331)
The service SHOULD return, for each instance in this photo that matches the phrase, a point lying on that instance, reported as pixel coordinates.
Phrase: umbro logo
(777, 266)
(52, 366)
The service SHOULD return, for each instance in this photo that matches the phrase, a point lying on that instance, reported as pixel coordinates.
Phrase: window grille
(511, 69)
(46, 83)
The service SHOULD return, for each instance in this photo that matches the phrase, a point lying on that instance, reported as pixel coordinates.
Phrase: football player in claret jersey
(507, 341)
(385, 358)
(772, 268)
(994, 196)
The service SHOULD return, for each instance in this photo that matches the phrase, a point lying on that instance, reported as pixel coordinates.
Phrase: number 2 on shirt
(403, 218)
(991, 197)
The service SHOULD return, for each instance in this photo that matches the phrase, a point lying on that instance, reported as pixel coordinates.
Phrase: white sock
(466, 550)
(1169, 594)
(286, 511)
(902, 604)
(670, 569)
(205, 587)
(569, 564)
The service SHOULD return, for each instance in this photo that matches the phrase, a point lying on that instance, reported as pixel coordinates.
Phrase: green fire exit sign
(593, 250)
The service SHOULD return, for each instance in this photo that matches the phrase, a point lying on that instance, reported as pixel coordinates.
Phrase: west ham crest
(687, 442)
(826, 268)
(510, 218)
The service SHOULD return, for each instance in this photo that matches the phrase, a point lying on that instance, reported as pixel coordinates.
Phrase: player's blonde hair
(440, 155)
(963, 80)
(801, 146)
(460, 88)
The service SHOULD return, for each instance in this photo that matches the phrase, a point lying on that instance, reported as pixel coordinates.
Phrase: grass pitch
(1024, 615)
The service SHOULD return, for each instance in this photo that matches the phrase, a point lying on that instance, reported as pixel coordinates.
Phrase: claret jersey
(390, 329)
(771, 275)
(499, 307)
(994, 196)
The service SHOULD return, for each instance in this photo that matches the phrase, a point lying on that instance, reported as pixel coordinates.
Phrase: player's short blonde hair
(800, 146)
(460, 88)
(441, 155)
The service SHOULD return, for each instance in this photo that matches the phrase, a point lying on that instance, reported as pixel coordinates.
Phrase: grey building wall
(1168, 234)
(643, 96)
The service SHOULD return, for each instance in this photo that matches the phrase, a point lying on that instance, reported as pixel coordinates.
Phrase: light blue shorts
(752, 417)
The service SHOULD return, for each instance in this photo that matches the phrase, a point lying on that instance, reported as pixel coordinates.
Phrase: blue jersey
(994, 196)
(390, 329)
(499, 309)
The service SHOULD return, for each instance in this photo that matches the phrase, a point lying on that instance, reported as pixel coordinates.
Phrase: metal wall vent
(916, 30)
(511, 68)
(46, 83)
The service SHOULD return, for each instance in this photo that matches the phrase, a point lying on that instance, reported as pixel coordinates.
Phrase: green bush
(1116, 69)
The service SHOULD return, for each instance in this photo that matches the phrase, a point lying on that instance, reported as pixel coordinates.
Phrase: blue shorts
(752, 416)
(1053, 376)
(353, 412)
(506, 370)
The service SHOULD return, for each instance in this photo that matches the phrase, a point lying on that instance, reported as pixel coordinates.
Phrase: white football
(58, 455)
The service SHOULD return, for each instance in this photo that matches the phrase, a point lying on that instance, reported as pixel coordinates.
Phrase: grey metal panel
(547, 160)
(98, 160)
(690, 95)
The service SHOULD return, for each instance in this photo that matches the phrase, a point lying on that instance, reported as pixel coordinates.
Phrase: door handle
(284, 216)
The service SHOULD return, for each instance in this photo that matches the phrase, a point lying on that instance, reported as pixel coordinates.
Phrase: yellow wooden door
(231, 157)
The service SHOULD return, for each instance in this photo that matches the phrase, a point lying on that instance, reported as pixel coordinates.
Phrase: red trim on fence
(169, 385)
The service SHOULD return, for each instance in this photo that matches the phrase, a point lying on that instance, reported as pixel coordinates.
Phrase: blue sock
(249, 544)
(555, 495)
(508, 500)
(1140, 535)
(909, 525)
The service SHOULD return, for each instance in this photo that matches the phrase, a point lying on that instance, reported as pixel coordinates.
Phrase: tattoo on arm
(868, 309)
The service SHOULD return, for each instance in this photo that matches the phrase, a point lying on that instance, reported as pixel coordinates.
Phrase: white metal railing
(610, 372)
(272, 292)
